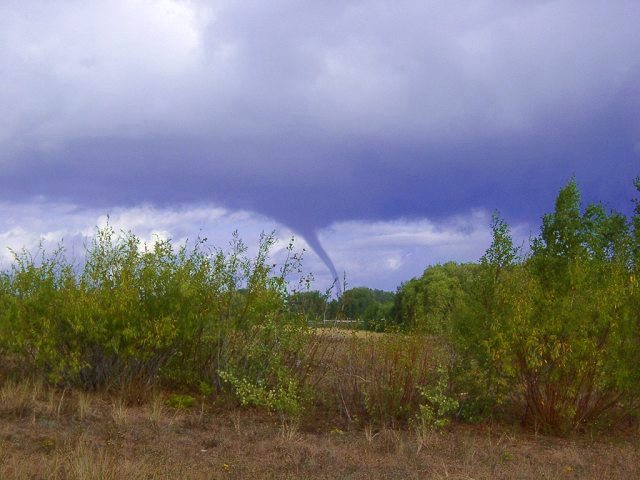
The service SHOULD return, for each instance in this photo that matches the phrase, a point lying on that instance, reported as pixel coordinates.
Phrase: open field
(53, 433)
(138, 366)
(69, 434)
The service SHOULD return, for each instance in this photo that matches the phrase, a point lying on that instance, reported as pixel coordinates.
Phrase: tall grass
(378, 379)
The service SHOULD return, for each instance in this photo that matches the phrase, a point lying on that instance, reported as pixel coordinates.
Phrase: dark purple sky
(317, 114)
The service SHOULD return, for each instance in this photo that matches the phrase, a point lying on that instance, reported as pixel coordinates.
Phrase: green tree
(557, 329)
(372, 307)
(426, 304)
(312, 305)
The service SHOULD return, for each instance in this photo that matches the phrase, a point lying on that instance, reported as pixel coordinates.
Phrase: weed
(236, 419)
(155, 411)
(369, 433)
(84, 405)
(377, 377)
(289, 427)
(180, 402)
(119, 413)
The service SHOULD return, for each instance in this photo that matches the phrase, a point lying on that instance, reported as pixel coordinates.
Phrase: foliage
(134, 313)
(310, 304)
(557, 329)
(284, 398)
(371, 307)
(437, 405)
(426, 304)
(552, 333)
(378, 317)
(379, 377)
(355, 301)
(180, 402)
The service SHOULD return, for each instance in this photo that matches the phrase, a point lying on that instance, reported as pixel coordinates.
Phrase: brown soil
(80, 436)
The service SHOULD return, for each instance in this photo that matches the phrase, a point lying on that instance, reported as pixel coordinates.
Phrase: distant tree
(356, 300)
(312, 305)
(378, 316)
(372, 307)
(426, 303)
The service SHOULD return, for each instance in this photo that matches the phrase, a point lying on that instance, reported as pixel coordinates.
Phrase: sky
(381, 134)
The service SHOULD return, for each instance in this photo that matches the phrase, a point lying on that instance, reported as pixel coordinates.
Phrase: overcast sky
(386, 131)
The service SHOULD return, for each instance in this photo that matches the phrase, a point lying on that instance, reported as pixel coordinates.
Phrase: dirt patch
(79, 437)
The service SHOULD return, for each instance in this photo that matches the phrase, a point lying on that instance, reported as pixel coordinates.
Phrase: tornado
(311, 237)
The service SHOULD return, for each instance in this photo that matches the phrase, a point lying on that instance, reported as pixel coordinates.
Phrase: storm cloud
(316, 113)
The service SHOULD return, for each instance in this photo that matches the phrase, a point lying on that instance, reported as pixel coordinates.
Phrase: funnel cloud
(313, 241)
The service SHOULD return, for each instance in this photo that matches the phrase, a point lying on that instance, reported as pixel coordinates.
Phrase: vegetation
(48, 434)
(547, 336)
(134, 314)
(426, 304)
(368, 308)
(372, 308)
(556, 329)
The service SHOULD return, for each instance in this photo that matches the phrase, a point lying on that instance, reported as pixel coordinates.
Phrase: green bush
(142, 314)
(556, 330)
(180, 402)
(426, 304)
(437, 405)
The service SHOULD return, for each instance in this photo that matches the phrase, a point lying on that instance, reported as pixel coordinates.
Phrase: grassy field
(69, 434)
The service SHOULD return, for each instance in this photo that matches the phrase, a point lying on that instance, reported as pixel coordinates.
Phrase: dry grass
(119, 412)
(374, 377)
(62, 434)
(39, 439)
(84, 406)
(155, 411)
(55, 403)
(342, 333)
(19, 398)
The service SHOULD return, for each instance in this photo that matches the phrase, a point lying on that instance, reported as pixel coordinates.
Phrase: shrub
(437, 405)
(557, 329)
(426, 304)
(180, 402)
(138, 314)
(379, 377)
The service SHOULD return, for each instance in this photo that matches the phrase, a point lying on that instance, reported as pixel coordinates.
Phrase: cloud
(319, 114)
(260, 70)
(376, 254)
(26, 224)
(387, 253)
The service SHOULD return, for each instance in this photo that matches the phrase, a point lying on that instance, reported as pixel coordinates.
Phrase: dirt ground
(62, 435)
